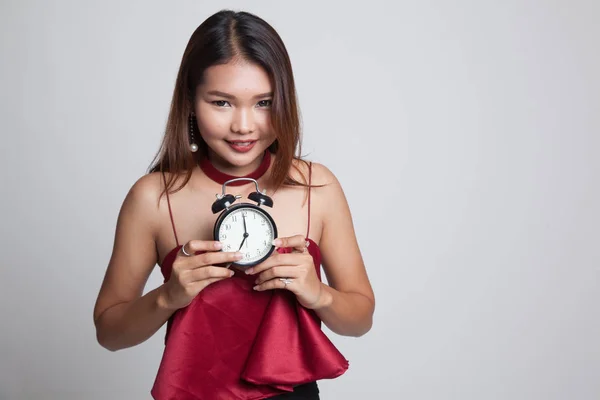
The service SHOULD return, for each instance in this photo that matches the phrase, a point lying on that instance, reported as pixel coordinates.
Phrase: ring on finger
(286, 281)
(185, 253)
(306, 243)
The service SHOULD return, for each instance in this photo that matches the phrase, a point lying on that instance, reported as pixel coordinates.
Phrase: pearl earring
(193, 144)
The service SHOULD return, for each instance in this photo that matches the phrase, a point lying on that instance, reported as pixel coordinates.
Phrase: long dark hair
(221, 38)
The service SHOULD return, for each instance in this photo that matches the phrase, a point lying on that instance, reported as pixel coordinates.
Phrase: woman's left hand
(297, 267)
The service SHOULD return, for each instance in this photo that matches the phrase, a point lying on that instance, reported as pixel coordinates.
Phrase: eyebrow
(229, 96)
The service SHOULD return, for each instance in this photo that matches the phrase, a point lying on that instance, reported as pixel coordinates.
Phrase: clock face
(249, 230)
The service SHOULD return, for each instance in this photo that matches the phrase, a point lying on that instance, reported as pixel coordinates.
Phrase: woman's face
(233, 110)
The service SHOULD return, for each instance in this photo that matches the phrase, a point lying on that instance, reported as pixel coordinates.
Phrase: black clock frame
(233, 208)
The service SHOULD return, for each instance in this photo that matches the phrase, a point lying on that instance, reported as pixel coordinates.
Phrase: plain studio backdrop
(465, 134)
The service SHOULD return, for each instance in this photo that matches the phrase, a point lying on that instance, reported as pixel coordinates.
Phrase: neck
(222, 166)
(215, 171)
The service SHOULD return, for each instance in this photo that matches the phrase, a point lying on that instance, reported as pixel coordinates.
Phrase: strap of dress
(309, 190)
(170, 212)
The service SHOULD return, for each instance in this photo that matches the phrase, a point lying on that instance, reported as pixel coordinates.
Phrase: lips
(241, 142)
(241, 146)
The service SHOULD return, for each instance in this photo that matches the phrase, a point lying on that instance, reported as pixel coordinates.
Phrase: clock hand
(245, 233)
(245, 236)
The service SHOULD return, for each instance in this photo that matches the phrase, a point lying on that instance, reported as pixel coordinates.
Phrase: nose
(243, 121)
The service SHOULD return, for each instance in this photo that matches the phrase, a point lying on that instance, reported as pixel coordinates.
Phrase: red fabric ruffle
(233, 342)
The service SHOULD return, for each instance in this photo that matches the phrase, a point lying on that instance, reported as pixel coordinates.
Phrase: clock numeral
(263, 222)
(227, 227)
(258, 252)
(223, 236)
(245, 213)
(234, 218)
(247, 256)
(264, 243)
(227, 247)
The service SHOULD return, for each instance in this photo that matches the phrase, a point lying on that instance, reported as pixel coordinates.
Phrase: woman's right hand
(191, 274)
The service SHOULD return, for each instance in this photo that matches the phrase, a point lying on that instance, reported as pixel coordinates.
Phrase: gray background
(465, 133)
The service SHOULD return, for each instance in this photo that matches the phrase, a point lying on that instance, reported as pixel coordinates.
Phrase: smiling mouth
(241, 143)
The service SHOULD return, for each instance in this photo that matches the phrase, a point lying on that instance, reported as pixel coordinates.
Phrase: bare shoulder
(320, 174)
(150, 187)
(145, 192)
(149, 184)
(145, 201)
(323, 176)
(326, 191)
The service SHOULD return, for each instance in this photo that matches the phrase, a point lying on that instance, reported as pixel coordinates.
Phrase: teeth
(242, 143)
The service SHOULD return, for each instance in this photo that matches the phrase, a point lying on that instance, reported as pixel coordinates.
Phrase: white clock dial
(254, 239)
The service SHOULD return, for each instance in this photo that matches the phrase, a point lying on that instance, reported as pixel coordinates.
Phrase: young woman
(235, 333)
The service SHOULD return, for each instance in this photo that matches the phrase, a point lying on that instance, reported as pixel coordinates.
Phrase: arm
(123, 317)
(347, 305)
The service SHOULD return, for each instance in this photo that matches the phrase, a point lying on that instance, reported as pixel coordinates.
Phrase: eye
(221, 103)
(265, 103)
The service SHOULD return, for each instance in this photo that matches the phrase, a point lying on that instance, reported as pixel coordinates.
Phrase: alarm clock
(245, 227)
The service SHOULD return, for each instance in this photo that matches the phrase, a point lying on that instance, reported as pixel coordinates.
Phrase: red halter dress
(232, 342)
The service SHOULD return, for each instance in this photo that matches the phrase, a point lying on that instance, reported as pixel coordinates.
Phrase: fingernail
(218, 245)
(231, 273)
(238, 256)
(277, 242)
(249, 271)
(255, 287)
